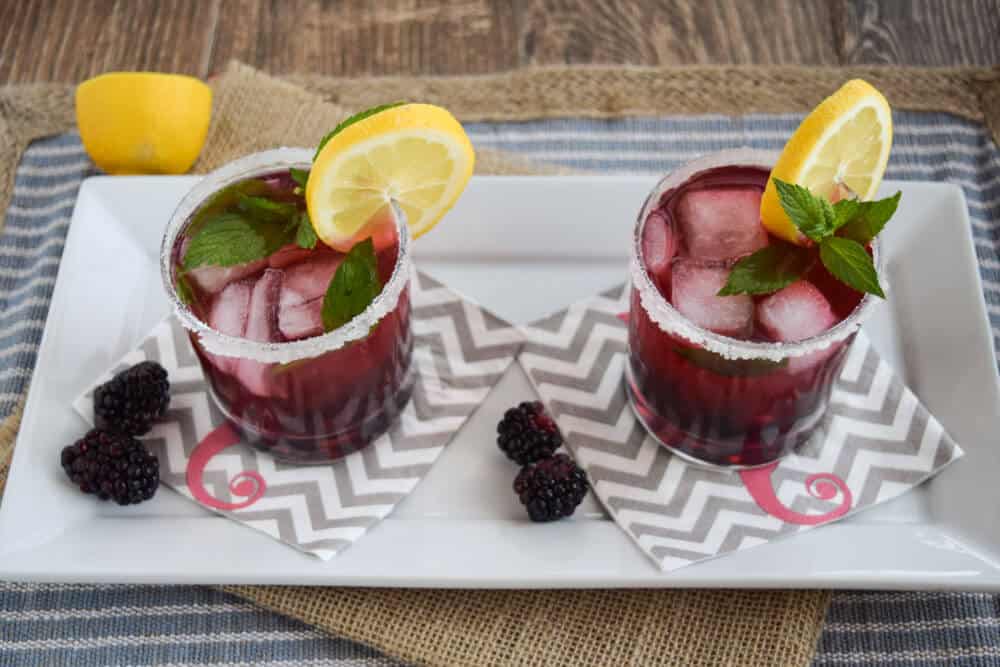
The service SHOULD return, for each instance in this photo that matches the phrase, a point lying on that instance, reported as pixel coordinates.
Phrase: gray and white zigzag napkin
(460, 352)
(880, 442)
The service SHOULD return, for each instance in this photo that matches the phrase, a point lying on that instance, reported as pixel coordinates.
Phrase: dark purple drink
(291, 387)
(736, 380)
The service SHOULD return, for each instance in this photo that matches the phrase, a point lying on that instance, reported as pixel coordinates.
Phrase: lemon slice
(417, 155)
(842, 143)
(143, 122)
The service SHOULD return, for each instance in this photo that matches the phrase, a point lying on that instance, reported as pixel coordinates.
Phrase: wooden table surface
(68, 40)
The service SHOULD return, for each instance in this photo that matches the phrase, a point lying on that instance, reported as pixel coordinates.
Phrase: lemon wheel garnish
(143, 122)
(417, 155)
(844, 141)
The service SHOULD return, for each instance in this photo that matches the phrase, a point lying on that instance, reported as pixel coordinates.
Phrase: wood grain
(69, 40)
(357, 37)
(922, 32)
(674, 32)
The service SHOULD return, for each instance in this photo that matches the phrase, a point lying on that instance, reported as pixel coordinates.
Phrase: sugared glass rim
(670, 320)
(215, 342)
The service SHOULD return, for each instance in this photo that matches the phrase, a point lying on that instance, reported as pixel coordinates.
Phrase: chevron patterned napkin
(460, 352)
(880, 442)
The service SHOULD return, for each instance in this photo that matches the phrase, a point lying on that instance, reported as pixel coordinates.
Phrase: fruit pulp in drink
(719, 410)
(312, 409)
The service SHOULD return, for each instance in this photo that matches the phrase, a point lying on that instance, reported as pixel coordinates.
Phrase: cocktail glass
(301, 394)
(738, 398)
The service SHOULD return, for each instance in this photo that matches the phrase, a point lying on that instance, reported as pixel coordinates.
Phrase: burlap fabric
(615, 91)
(439, 627)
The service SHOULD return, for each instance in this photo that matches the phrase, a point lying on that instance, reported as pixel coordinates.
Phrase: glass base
(646, 417)
(323, 449)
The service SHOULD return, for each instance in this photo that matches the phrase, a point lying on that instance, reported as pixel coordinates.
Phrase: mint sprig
(768, 270)
(851, 264)
(300, 176)
(870, 219)
(264, 209)
(351, 121)
(233, 238)
(225, 200)
(355, 285)
(844, 211)
(813, 216)
(839, 233)
(305, 235)
(184, 291)
(257, 228)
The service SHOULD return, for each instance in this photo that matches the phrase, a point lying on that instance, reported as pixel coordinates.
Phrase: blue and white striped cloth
(72, 625)
(132, 625)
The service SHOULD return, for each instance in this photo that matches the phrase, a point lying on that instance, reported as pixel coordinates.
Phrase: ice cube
(795, 313)
(694, 291)
(262, 326)
(228, 314)
(843, 299)
(262, 323)
(311, 278)
(287, 299)
(301, 320)
(301, 302)
(213, 279)
(230, 309)
(658, 249)
(721, 223)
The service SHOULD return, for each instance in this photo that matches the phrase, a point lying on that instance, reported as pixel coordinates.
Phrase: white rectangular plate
(523, 247)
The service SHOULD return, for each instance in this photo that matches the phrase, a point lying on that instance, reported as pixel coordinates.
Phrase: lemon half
(417, 155)
(143, 122)
(845, 141)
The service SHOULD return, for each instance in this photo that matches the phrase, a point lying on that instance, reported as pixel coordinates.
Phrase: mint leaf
(851, 264)
(844, 211)
(829, 217)
(233, 238)
(184, 291)
(768, 270)
(352, 120)
(305, 236)
(353, 287)
(300, 176)
(224, 200)
(266, 210)
(870, 219)
(729, 367)
(812, 215)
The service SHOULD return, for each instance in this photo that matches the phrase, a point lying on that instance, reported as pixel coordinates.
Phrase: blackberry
(527, 434)
(552, 488)
(112, 466)
(133, 399)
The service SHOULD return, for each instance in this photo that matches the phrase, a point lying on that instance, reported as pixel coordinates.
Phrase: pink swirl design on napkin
(247, 484)
(820, 485)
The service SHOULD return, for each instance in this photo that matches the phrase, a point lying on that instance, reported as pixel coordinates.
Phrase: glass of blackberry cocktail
(294, 379)
(738, 380)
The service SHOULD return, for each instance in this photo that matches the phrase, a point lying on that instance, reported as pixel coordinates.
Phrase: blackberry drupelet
(133, 399)
(552, 488)
(112, 466)
(527, 434)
